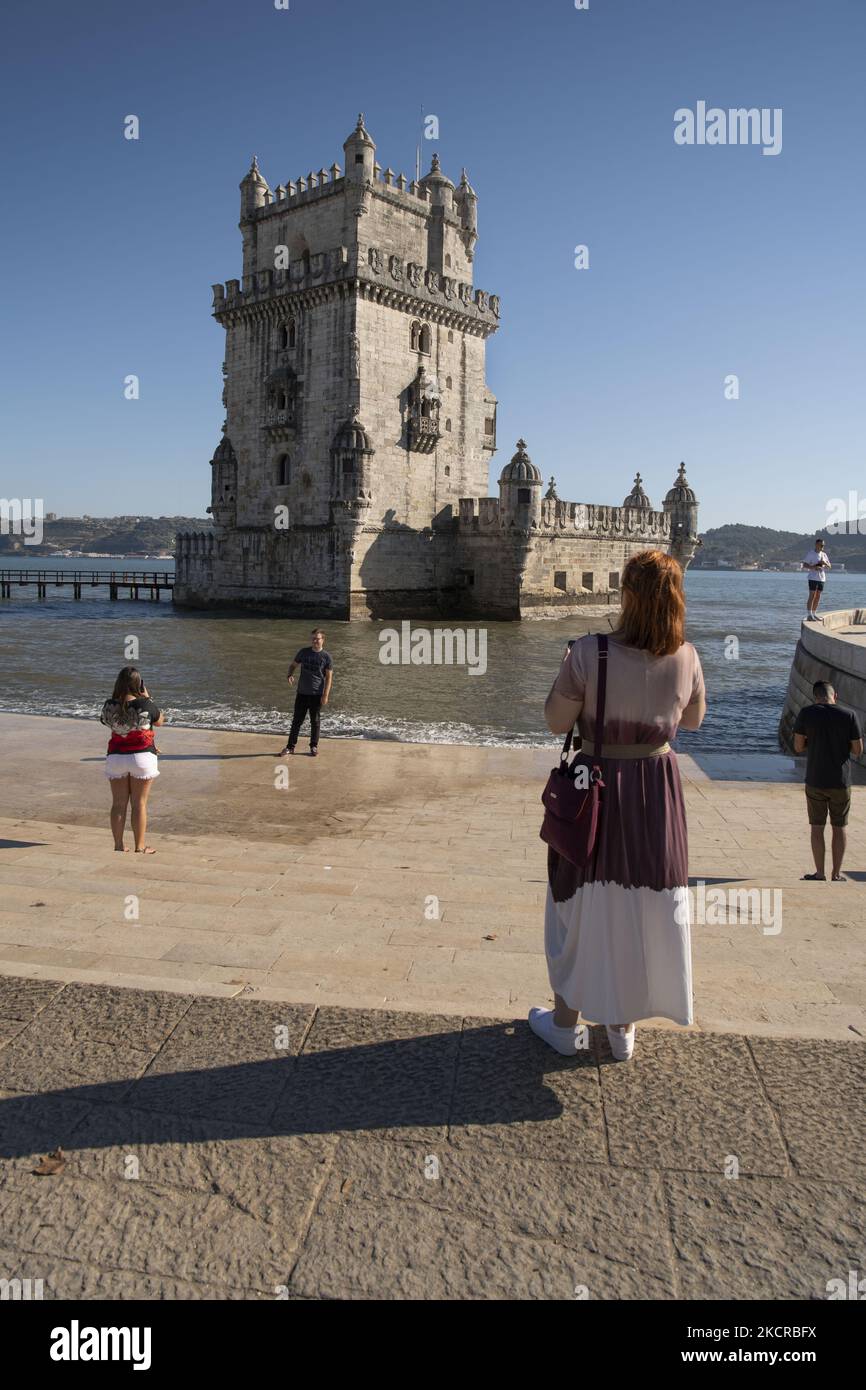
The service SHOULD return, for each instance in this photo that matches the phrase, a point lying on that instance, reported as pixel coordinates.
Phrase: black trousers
(304, 705)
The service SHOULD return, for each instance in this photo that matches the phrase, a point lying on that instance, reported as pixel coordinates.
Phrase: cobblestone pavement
(247, 1149)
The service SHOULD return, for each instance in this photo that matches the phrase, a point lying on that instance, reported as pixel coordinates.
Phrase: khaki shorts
(836, 800)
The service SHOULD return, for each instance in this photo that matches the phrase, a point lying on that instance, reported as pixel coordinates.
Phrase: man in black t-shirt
(829, 734)
(314, 689)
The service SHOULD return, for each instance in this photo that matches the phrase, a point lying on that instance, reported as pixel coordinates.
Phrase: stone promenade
(235, 1148)
(388, 875)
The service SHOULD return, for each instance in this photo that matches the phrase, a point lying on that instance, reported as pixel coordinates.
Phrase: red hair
(653, 603)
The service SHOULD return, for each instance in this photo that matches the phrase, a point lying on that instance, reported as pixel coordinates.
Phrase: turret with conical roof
(360, 152)
(637, 497)
(466, 203)
(682, 506)
(254, 189)
(439, 186)
(520, 484)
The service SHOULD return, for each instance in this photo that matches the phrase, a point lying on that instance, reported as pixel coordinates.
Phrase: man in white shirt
(817, 562)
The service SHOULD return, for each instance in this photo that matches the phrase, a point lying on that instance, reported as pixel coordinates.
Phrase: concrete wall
(821, 655)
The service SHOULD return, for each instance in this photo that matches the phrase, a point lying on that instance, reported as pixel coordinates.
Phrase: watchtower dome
(520, 484)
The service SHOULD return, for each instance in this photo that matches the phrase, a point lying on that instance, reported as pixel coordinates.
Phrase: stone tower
(357, 410)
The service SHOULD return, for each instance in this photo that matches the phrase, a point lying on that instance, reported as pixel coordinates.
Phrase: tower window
(450, 336)
(587, 579)
(524, 495)
(284, 337)
(447, 471)
(281, 400)
(613, 579)
(283, 470)
(559, 580)
(359, 159)
(425, 340)
(448, 382)
(348, 464)
(448, 426)
(290, 341)
(415, 336)
(448, 262)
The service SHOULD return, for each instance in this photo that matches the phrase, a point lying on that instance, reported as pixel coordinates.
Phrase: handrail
(39, 576)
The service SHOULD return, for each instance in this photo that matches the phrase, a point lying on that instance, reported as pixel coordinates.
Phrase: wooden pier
(153, 583)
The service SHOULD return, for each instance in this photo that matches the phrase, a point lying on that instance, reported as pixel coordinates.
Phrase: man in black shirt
(830, 736)
(314, 689)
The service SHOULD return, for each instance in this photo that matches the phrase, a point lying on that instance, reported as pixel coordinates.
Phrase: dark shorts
(815, 584)
(836, 800)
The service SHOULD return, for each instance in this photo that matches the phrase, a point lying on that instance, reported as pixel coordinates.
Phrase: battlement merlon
(582, 519)
(409, 286)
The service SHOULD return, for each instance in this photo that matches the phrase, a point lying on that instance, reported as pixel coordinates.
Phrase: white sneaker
(562, 1040)
(621, 1040)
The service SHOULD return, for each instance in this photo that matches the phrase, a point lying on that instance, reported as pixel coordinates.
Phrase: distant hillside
(746, 545)
(112, 535)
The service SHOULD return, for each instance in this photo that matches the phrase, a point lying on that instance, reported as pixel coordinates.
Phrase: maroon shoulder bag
(572, 797)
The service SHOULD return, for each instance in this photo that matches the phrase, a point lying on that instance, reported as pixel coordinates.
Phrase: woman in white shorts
(131, 763)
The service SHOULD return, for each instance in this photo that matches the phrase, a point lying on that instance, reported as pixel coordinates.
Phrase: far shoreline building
(352, 476)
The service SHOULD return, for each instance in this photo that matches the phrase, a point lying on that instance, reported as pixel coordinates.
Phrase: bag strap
(601, 694)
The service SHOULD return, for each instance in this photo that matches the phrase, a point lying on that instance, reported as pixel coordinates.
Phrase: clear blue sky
(704, 261)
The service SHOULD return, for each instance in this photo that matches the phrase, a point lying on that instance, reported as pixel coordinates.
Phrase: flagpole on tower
(418, 151)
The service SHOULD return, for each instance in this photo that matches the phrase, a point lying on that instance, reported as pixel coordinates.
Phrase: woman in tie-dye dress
(617, 931)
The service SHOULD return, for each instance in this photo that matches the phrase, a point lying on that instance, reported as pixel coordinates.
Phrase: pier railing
(132, 581)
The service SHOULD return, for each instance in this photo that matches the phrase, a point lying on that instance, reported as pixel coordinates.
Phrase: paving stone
(818, 1090)
(138, 1018)
(48, 1056)
(614, 1221)
(364, 1070)
(223, 1059)
(190, 1236)
(688, 1101)
(357, 1250)
(763, 1238)
(31, 1126)
(70, 1279)
(24, 999)
(514, 1094)
(272, 1177)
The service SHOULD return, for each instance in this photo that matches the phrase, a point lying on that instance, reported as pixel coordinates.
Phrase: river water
(227, 671)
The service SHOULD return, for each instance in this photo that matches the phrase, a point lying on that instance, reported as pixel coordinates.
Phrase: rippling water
(59, 657)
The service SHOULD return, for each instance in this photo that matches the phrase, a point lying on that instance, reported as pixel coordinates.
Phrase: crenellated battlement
(484, 514)
(406, 283)
(307, 188)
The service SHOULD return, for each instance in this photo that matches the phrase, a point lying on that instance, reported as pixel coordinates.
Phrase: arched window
(448, 382)
(291, 333)
(448, 262)
(283, 470)
(415, 336)
(426, 339)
